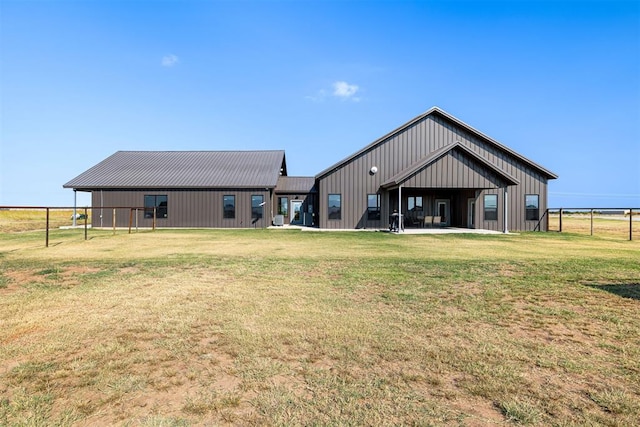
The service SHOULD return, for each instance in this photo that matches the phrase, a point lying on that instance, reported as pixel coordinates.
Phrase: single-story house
(433, 171)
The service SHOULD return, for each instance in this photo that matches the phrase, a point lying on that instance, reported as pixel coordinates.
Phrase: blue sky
(559, 82)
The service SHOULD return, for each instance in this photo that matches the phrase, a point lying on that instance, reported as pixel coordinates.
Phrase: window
(228, 207)
(283, 206)
(414, 203)
(157, 202)
(335, 206)
(257, 203)
(531, 204)
(491, 207)
(373, 207)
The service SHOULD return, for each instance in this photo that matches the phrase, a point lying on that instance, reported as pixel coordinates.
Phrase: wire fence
(606, 222)
(19, 219)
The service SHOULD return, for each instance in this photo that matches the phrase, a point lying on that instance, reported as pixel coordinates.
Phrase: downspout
(271, 203)
(101, 205)
(506, 211)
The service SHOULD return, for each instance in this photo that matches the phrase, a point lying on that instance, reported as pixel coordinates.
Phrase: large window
(229, 206)
(531, 203)
(414, 203)
(157, 202)
(373, 207)
(491, 207)
(257, 205)
(335, 206)
(283, 206)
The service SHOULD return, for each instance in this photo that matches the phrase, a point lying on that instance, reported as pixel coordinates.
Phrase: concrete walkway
(447, 230)
(435, 230)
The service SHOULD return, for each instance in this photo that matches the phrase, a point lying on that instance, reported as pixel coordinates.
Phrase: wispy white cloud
(339, 89)
(345, 90)
(169, 60)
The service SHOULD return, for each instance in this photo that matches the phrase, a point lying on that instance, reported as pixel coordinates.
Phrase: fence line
(134, 211)
(591, 211)
(85, 216)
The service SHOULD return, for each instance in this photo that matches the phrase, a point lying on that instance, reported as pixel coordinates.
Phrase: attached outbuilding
(218, 189)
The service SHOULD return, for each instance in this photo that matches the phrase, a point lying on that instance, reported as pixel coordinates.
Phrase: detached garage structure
(434, 170)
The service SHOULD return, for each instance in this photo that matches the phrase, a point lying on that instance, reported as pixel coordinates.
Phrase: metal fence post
(630, 224)
(548, 217)
(85, 223)
(46, 242)
(560, 222)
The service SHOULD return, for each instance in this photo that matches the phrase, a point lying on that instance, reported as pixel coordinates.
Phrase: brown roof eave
(181, 187)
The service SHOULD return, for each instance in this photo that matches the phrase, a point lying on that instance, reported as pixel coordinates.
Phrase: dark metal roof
(296, 184)
(184, 169)
(402, 176)
(441, 113)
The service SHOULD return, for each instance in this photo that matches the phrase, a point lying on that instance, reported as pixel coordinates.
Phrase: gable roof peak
(439, 111)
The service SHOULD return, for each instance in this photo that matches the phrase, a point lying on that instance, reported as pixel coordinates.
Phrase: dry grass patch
(21, 220)
(604, 226)
(286, 328)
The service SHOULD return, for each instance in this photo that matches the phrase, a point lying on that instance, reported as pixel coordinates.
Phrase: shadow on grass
(625, 290)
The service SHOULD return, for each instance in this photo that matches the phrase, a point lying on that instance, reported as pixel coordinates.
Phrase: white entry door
(442, 210)
(296, 212)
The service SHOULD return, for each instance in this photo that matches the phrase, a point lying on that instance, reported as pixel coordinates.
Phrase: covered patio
(443, 189)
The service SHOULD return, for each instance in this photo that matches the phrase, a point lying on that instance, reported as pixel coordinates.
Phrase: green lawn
(277, 327)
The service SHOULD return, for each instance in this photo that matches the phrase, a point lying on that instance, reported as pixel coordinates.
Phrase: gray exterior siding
(399, 150)
(185, 208)
(433, 156)
(454, 170)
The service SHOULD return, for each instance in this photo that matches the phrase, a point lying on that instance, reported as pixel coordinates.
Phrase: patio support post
(400, 208)
(506, 211)
(75, 199)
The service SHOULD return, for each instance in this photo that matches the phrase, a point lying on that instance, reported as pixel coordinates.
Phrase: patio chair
(428, 221)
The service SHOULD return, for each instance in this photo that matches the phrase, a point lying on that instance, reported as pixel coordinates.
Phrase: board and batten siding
(400, 150)
(186, 208)
(454, 170)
